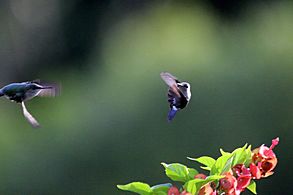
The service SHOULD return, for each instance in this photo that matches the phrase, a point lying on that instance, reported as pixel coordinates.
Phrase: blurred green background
(109, 125)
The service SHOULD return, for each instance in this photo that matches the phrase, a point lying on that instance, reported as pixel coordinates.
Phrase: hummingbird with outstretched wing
(24, 91)
(179, 93)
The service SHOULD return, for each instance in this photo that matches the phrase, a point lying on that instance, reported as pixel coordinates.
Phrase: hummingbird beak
(47, 87)
(29, 117)
(44, 87)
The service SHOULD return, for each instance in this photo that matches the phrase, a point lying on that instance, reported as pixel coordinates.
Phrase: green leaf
(137, 187)
(248, 156)
(252, 187)
(161, 189)
(218, 167)
(228, 164)
(191, 173)
(214, 177)
(223, 152)
(160, 193)
(193, 186)
(179, 172)
(205, 160)
(240, 155)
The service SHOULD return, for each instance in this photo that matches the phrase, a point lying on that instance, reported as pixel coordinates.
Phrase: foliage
(230, 174)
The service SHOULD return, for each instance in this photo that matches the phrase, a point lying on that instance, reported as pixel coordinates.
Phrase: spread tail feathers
(172, 113)
(29, 117)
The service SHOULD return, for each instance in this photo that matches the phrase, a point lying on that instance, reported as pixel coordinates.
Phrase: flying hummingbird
(21, 92)
(179, 93)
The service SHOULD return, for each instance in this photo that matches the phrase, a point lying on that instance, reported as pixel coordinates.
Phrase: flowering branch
(230, 174)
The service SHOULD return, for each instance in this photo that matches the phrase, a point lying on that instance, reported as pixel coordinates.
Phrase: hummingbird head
(184, 87)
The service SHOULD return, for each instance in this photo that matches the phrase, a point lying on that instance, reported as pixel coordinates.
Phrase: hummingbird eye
(186, 86)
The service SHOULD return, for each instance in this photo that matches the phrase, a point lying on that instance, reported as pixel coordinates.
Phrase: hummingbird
(24, 91)
(179, 93)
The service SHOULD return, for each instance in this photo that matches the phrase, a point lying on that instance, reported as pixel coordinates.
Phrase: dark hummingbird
(179, 93)
(21, 92)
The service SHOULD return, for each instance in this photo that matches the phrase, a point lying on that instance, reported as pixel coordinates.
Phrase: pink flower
(265, 159)
(173, 191)
(242, 183)
(228, 183)
(255, 171)
(241, 170)
(243, 176)
(267, 167)
(200, 176)
(207, 190)
(185, 193)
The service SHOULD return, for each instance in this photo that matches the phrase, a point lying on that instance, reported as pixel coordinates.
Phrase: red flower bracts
(230, 174)
(264, 160)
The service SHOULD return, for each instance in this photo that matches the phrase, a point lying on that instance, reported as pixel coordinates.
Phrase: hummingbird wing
(168, 78)
(47, 92)
(51, 90)
(29, 117)
(171, 81)
(37, 81)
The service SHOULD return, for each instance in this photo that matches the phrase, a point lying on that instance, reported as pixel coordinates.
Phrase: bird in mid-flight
(21, 92)
(179, 93)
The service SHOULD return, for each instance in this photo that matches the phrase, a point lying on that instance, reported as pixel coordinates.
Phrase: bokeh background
(109, 124)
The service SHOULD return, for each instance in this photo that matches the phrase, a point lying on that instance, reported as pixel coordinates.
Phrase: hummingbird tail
(172, 113)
